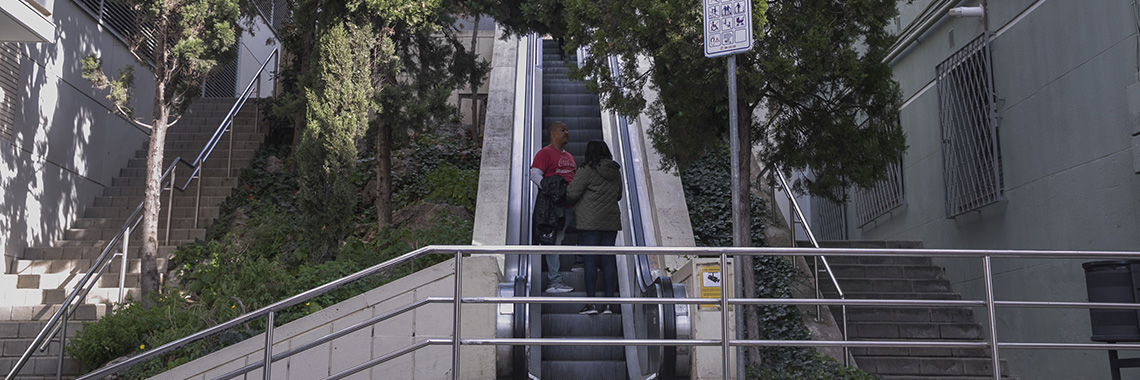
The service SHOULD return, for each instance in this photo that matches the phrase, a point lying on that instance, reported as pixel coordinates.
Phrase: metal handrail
(58, 321)
(815, 243)
(458, 251)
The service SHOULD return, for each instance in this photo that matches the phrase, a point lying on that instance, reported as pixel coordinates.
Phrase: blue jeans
(553, 276)
(608, 262)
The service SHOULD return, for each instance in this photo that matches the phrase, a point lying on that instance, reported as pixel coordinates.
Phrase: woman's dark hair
(596, 150)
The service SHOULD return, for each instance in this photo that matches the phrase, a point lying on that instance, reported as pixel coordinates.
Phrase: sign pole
(728, 31)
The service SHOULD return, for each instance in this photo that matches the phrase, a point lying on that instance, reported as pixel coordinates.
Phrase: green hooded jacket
(595, 193)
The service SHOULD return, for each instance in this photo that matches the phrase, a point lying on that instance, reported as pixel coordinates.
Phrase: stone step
(909, 314)
(180, 200)
(879, 260)
(197, 145)
(915, 330)
(221, 154)
(211, 169)
(140, 181)
(192, 189)
(52, 297)
(889, 285)
(921, 352)
(900, 295)
(37, 315)
(108, 234)
(80, 266)
(927, 368)
(55, 281)
(209, 212)
(886, 271)
(117, 223)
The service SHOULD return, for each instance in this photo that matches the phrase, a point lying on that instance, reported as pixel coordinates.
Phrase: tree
(181, 40)
(832, 105)
(338, 108)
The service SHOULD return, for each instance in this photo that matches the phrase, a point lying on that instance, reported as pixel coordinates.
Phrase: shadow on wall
(67, 145)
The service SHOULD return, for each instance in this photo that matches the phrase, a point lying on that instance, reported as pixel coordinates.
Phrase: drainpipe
(932, 19)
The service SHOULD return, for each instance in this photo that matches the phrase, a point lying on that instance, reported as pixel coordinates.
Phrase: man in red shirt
(551, 160)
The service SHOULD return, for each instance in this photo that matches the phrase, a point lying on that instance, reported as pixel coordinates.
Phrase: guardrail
(58, 322)
(989, 303)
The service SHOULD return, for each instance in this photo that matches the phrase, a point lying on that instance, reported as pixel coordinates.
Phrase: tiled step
(50, 266)
(928, 368)
(108, 234)
(187, 199)
(909, 314)
(890, 285)
(915, 330)
(37, 315)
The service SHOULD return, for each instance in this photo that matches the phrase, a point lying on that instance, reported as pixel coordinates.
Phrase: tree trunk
(476, 131)
(748, 271)
(152, 197)
(300, 122)
(383, 175)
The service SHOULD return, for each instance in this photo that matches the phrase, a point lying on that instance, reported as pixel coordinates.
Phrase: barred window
(966, 106)
(9, 75)
(884, 196)
(829, 219)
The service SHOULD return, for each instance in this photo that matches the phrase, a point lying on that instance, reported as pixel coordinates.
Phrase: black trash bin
(1114, 282)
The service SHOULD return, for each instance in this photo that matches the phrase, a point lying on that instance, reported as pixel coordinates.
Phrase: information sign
(727, 27)
(710, 281)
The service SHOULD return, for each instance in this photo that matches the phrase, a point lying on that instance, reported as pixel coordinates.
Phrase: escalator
(568, 101)
(549, 96)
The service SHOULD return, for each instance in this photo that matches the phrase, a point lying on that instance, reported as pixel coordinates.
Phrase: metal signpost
(728, 31)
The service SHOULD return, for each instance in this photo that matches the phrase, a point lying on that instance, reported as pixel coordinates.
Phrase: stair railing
(989, 303)
(795, 205)
(58, 322)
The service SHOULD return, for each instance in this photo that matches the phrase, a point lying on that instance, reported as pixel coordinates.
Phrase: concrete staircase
(46, 274)
(906, 278)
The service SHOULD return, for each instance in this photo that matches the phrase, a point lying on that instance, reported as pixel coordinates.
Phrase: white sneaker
(559, 288)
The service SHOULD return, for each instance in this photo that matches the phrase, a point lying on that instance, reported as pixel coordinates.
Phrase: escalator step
(584, 353)
(583, 370)
(572, 324)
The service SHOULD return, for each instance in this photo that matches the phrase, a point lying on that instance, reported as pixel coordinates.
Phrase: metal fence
(829, 219)
(123, 23)
(971, 156)
(877, 200)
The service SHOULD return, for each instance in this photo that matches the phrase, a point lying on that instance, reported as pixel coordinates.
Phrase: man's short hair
(554, 124)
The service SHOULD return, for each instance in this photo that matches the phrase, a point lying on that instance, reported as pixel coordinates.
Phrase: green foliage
(452, 185)
(337, 115)
(253, 257)
(413, 185)
(816, 66)
(708, 196)
(708, 193)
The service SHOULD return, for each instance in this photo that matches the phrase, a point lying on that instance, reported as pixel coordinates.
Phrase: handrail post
(198, 197)
(123, 263)
(62, 344)
(170, 204)
(724, 312)
(230, 156)
(458, 310)
(991, 312)
(268, 363)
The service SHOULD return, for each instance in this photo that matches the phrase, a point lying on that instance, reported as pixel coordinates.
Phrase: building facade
(60, 142)
(1023, 129)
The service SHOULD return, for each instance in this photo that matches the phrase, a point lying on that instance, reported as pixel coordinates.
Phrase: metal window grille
(829, 219)
(9, 75)
(967, 115)
(221, 82)
(884, 196)
(275, 12)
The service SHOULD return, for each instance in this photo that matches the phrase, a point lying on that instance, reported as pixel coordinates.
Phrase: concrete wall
(480, 279)
(1061, 70)
(64, 144)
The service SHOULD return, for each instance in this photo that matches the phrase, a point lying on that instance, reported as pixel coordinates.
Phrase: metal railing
(58, 322)
(989, 303)
(819, 257)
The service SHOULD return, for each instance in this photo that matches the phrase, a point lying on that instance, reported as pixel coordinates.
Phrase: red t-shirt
(551, 162)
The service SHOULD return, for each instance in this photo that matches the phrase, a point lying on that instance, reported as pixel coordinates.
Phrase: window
(971, 158)
(875, 201)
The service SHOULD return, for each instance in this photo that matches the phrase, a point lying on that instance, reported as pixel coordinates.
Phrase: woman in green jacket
(595, 193)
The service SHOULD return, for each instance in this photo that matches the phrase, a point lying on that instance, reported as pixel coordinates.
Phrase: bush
(708, 195)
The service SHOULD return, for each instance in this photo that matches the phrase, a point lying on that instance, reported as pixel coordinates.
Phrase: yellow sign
(711, 279)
